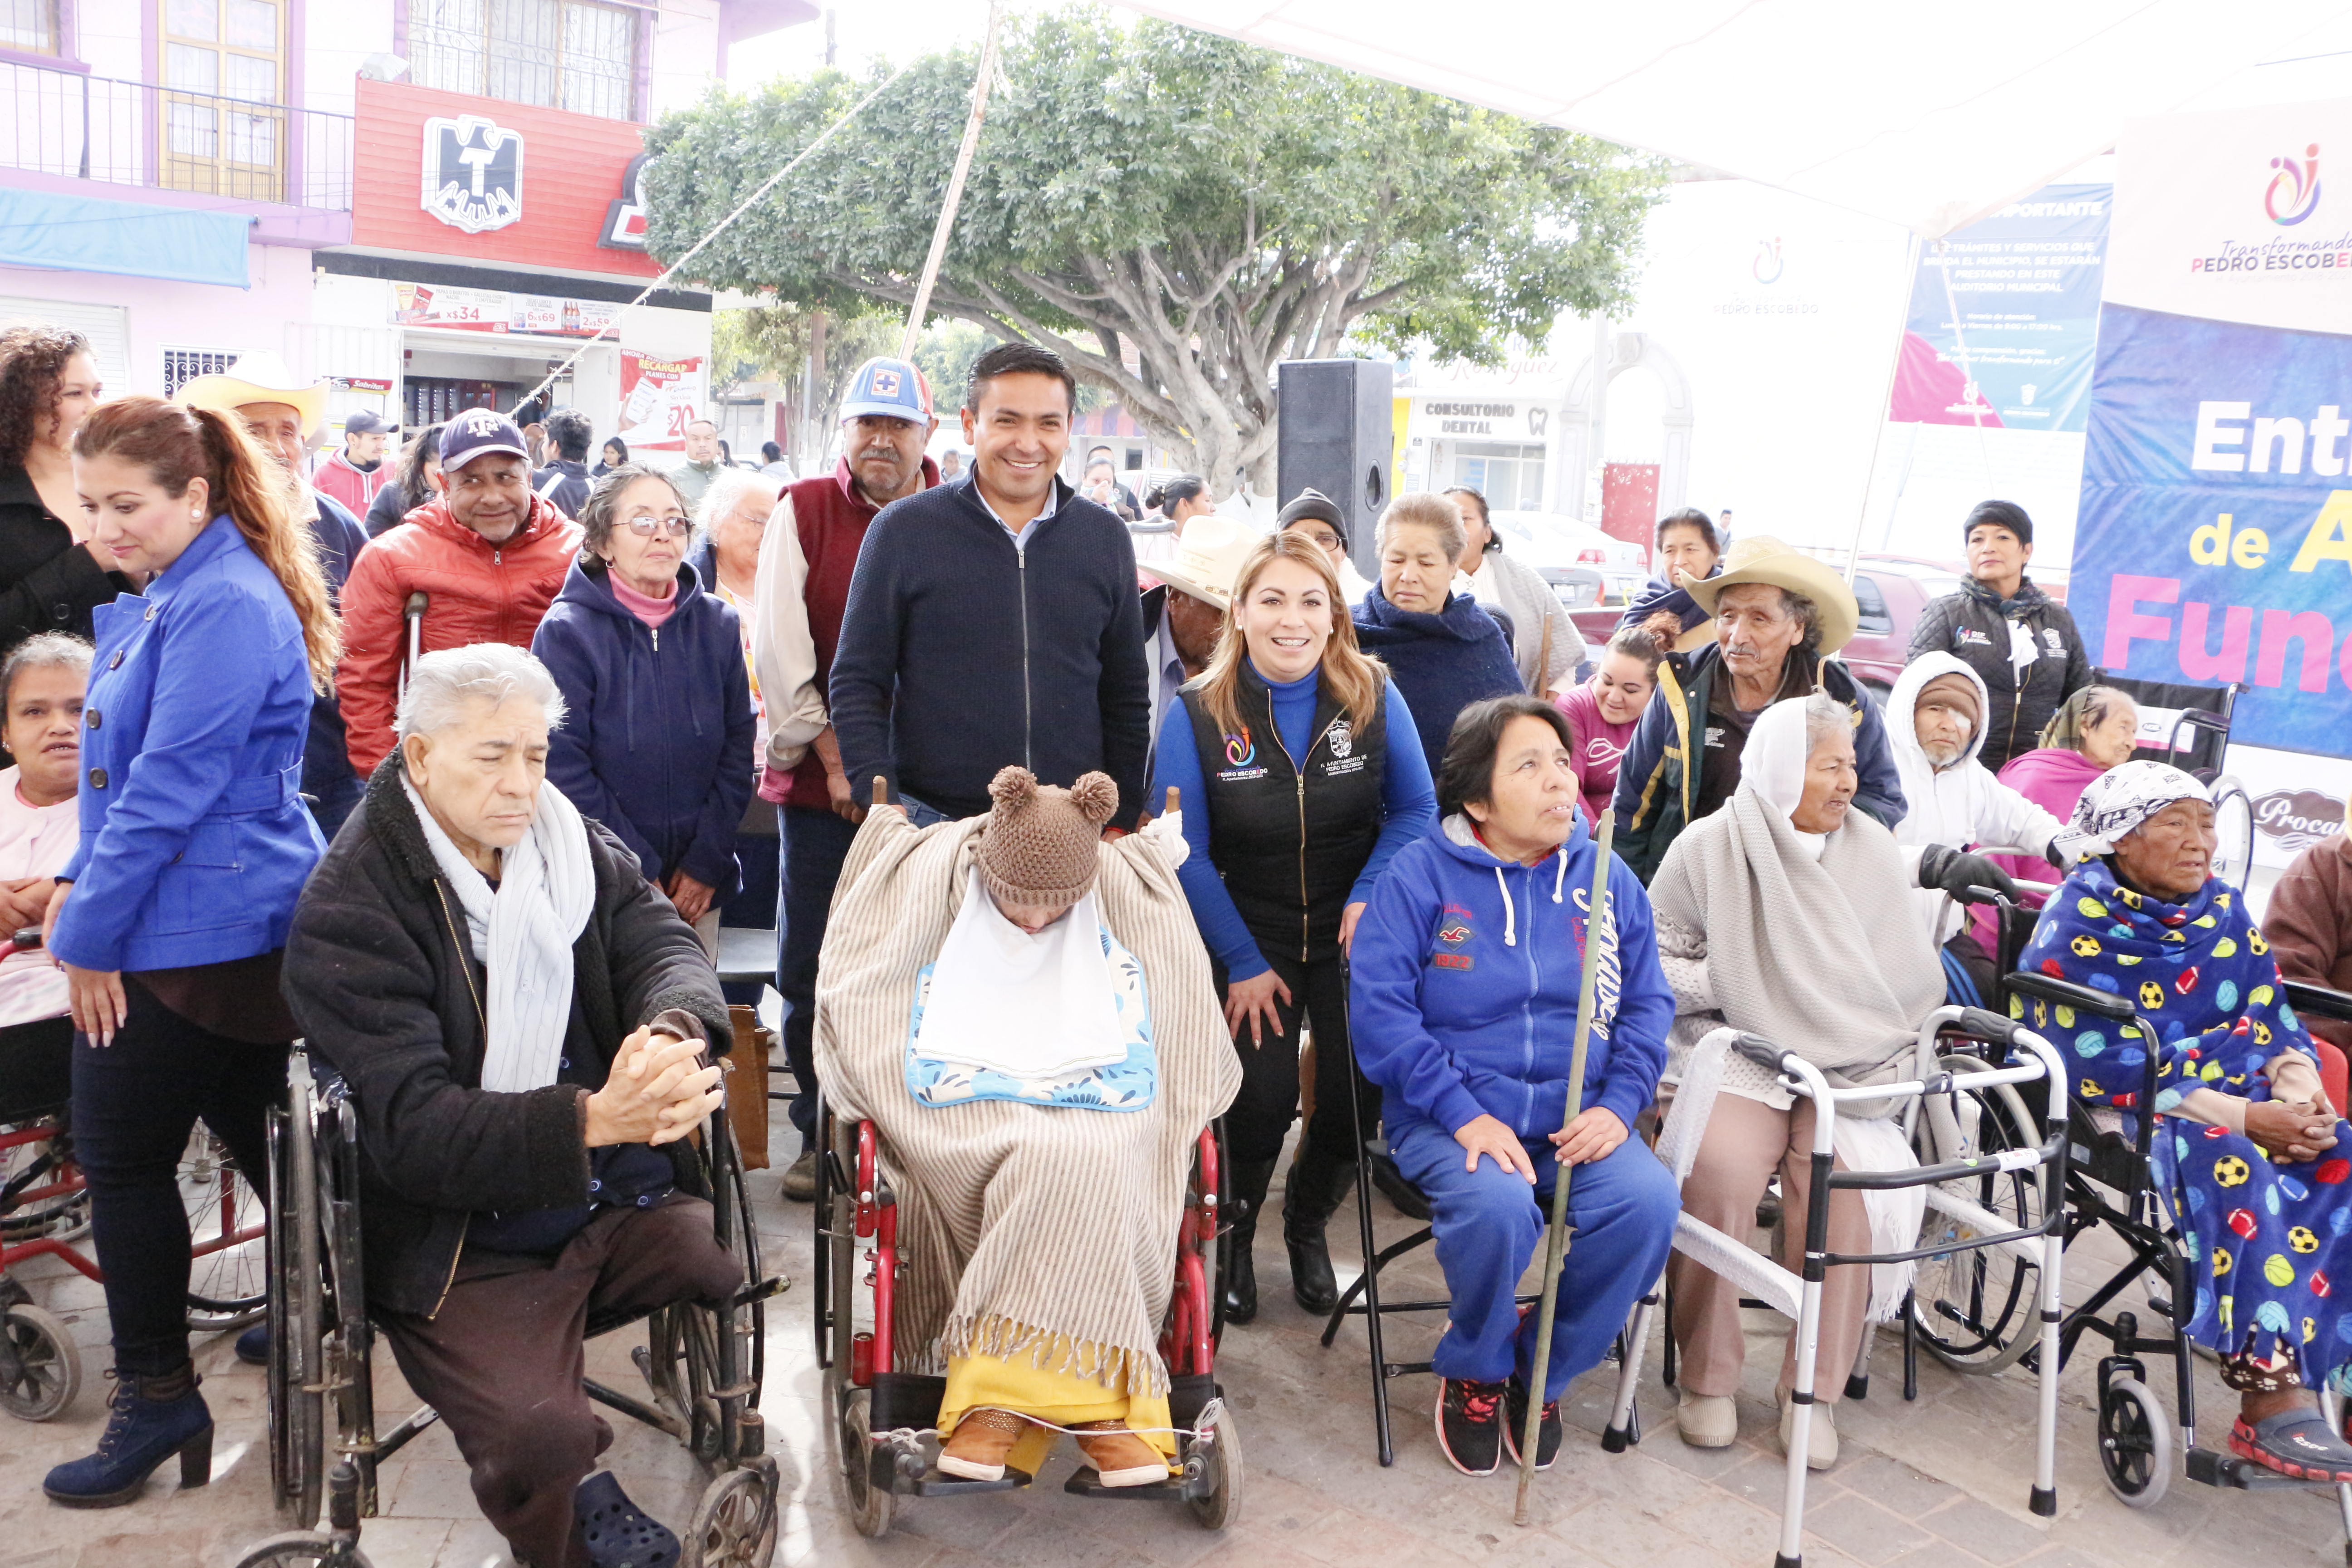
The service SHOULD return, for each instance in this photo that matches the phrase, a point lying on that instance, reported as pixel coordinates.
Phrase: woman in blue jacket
(1468, 970)
(1443, 649)
(657, 744)
(1299, 776)
(169, 919)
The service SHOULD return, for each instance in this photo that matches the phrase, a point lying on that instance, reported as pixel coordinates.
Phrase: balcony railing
(137, 133)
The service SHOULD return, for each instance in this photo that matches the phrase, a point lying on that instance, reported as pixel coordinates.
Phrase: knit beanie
(1040, 844)
(2005, 514)
(1959, 691)
(1314, 504)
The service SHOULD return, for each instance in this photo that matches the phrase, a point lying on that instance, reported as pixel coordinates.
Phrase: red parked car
(1891, 592)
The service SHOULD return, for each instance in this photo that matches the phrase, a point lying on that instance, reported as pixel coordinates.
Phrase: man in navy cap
(486, 553)
(805, 558)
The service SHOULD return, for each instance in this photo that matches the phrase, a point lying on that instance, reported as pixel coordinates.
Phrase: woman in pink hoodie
(1602, 711)
(2092, 731)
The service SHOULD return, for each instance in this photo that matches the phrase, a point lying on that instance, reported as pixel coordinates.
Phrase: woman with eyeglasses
(657, 744)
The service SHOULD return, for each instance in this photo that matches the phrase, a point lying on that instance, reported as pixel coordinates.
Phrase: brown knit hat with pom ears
(1040, 844)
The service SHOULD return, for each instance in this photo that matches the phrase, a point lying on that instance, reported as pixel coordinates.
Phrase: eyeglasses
(645, 525)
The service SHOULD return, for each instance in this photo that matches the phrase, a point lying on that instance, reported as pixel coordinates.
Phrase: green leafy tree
(1176, 213)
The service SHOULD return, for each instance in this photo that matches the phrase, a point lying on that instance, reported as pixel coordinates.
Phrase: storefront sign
(501, 182)
(2004, 316)
(625, 220)
(660, 397)
(2215, 539)
(495, 311)
(1502, 420)
(473, 173)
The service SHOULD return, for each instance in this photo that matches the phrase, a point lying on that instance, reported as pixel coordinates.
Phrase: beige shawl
(1027, 1230)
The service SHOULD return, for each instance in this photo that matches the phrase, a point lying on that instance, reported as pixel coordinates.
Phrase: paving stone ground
(1938, 1483)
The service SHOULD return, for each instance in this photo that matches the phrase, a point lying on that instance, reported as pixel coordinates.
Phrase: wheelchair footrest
(2217, 1469)
(933, 1484)
(1082, 1482)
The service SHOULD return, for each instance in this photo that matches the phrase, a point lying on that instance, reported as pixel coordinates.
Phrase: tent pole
(1886, 405)
(922, 304)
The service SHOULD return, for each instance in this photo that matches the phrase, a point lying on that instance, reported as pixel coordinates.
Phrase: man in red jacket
(487, 554)
(805, 558)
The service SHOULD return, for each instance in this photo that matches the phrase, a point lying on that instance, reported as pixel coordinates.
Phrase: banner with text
(660, 397)
(2004, 314)
(2215, 539)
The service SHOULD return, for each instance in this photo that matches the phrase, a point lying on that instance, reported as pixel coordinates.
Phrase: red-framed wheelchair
(884, 1421)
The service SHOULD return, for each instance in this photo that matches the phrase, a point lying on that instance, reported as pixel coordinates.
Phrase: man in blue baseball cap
(805, 558)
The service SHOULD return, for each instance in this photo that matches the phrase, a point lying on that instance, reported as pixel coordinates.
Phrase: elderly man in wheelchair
(522, 1021)
(1023, 1014)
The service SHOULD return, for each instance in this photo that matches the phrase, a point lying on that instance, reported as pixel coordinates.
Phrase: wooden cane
(1555, 1248)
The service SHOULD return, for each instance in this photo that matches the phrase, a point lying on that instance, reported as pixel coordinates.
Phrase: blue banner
(81, 234)
(2004, 314)
(2215, 538)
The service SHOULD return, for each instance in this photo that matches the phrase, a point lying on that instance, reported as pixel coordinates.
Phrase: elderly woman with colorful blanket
(2248, 1147)
(1027, 1013)
(1788, 914)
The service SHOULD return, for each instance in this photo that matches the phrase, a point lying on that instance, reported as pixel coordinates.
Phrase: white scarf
(1036, 1008)
(1772, 764)
(523, 934)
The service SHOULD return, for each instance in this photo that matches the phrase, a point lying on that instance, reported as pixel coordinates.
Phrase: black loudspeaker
(1338, 436)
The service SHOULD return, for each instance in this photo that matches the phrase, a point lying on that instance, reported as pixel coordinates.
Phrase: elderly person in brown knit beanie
(1025, 1012)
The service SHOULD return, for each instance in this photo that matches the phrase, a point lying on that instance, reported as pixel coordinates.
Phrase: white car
(1544, 538)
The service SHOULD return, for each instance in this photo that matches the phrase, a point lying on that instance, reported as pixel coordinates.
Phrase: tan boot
(976, 1449)
(1707, 1421)
(1821, 1440)
(1121, 1459)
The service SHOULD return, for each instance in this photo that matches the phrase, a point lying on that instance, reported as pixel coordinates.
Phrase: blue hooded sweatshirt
(657, 744)
(1465, 976)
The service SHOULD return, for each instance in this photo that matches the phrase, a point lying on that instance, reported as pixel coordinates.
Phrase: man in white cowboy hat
(284, 414)
(1183, 617)
(1778, 618)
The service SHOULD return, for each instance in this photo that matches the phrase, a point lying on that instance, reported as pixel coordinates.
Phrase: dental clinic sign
(2215, 539)
(473, 173)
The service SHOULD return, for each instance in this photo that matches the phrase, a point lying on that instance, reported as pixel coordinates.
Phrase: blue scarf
(1441, 663)
(2200, 971)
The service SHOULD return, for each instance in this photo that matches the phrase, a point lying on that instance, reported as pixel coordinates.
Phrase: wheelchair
(1952, 1095)
(703, 1367)
(884, 1422)
(45, 1213)
(2188, 726)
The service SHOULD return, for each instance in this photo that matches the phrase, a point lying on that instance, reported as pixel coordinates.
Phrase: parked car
(1891, 592)
(1555, 540)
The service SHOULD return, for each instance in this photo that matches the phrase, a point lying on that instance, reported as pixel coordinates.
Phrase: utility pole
(828, 38)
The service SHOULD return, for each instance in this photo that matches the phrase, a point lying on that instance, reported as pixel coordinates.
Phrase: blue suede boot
(150, 1419)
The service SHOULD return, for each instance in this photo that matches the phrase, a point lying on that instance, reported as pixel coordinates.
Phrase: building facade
(432, 203)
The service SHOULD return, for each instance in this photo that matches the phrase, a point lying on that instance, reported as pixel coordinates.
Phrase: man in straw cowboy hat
(1778, 618)
(1183, 617)
(284, 415)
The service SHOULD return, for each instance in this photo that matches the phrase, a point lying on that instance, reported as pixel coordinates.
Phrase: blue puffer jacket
(195, 841)
(657, 744)
(1466, 977)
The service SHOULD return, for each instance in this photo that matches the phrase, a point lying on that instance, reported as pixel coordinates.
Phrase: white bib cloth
(1030, 1006)
(522, 934)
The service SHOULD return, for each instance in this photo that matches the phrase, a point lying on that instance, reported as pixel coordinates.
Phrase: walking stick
(1556, 1246)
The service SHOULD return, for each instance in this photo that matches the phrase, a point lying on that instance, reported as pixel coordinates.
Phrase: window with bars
(561, 54)
(30, 25)
(182, 366)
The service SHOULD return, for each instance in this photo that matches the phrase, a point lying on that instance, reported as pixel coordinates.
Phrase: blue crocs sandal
(2297, 1443)
(620, 1534)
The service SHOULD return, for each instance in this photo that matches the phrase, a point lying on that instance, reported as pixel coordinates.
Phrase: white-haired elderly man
(523, 1021)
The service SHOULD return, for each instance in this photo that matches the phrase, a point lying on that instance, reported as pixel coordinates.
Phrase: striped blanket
(1028, 1230)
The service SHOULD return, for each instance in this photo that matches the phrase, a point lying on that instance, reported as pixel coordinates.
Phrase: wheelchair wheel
(228, 1274)
(2135, 1443)
(870, 1507)
(2233, 831)
(734, 1525)
(44, 1369)
(303, 1549)
(295, 1308)
(62, 1218)
(1219, 1448)
(1974, 1310)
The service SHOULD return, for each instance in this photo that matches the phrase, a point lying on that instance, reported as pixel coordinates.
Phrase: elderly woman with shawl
(1025, 1012)
(1788, 914)
(2247, 1147)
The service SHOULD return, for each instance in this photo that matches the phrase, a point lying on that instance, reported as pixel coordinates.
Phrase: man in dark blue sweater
(994, 619)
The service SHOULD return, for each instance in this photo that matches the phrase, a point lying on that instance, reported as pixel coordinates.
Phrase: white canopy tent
(1931, 116)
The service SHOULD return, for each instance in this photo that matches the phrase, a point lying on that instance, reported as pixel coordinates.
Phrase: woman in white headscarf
(1787, 914)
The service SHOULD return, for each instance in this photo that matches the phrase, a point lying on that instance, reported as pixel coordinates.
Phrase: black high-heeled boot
(1311, 1195)
(1246, 1198)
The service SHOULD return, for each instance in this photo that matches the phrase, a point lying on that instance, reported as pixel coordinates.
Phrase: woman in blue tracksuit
(1468, 966)
(656, 745)
(1299, 775)
(169, 919)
